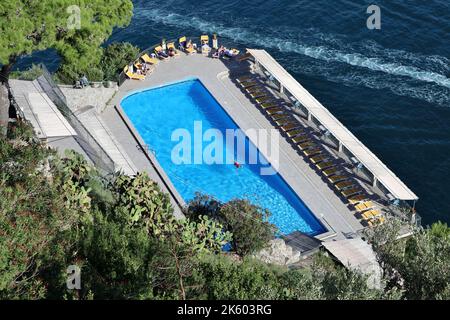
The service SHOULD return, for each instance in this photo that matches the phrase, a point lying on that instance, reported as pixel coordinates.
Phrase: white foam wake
(323, 53)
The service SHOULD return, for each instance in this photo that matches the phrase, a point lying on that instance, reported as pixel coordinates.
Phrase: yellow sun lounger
(337, 178)
(299, 139)
(276, 106)
(148, 71)
(183, 42)
(289, 127)
(278, 117)
(268, 105)
(318, 159)
(204, 39)
(255, 88)
(284, 122)
(350, 192)
(133, 76)
(304, 145)
(374, 213)
(364, 206)
(274, 110)
(312, 152)
(357, 199)
(258, 94)
(367, 215)
(296, 132)
(324, 165)
(147, 59)
(344, 185)
(330, 172)
(248, 84)
(264, 99)
(159, 49)
(171, 45)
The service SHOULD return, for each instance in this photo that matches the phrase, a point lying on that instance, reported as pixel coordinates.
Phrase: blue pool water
(156, 113)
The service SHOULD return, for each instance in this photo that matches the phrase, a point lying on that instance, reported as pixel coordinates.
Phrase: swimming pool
(156, 113)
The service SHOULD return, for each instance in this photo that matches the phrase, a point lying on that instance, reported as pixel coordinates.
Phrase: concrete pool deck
(213, 73)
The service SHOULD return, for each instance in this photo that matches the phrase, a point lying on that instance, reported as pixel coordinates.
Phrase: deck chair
(258, 94)
(278, 117)
(183, 43)
(204, 39)
(265, 99)
(284, 121)
(171, 46)
(300, 139)
(245, 78)
(357, 199)
(275, 106)
(268, 105)
(337, 178)
(147, 59)
(363, 206)
(272, 111)
(254, 88)
(132, 75)
(374, 213)
(367, 215)
(289, 127)
(307, 144)
(351, 192)
(248, 84)
(317, 159)
(312, 152)
(295, 132)
(160, 53)
(324, 165)
(344, 185)
(330, 172)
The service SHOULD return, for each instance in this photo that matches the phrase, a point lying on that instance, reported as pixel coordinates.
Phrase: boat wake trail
(379, 60)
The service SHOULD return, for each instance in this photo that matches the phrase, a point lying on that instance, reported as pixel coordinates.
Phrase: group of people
(141, 68)
(219, 52)
(165, 53)
(224, 51)
(82, 82)
(188, 46)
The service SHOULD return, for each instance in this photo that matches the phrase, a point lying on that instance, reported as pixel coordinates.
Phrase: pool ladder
(146, 148)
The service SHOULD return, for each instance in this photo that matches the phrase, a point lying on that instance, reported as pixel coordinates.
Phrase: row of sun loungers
(163, 52)
(320, 159)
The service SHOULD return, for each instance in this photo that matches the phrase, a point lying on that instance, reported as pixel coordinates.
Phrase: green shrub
(115, 57)
(225, 279)
(247, 222)
(30, 74)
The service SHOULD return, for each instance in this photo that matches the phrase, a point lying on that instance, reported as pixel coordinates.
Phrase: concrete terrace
(327, 206)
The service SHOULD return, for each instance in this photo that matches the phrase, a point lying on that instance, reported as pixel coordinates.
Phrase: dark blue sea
(390, 87)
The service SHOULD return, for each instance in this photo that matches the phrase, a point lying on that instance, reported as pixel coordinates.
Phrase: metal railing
(85, 139)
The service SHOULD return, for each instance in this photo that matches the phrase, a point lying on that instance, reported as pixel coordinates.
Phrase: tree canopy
(120, 231)
(74, 28)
